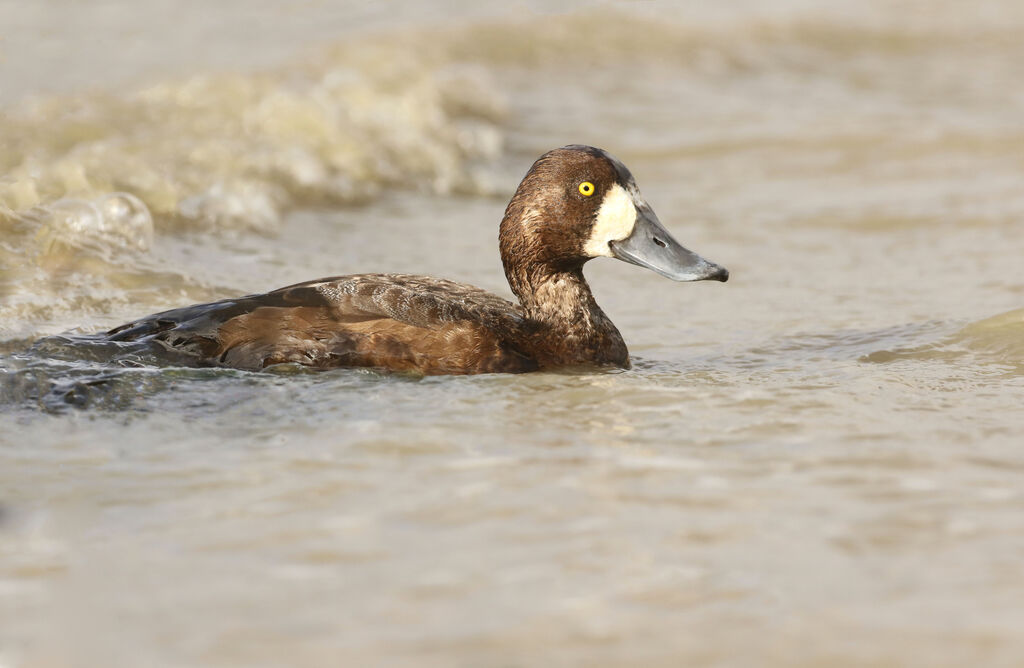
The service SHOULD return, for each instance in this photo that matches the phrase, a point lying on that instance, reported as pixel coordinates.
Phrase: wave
(407, 109)
(1000, 338)
(411, 109)
(997, 340)
(238, 150)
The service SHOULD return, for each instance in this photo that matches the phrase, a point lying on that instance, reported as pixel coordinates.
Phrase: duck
(576, 203)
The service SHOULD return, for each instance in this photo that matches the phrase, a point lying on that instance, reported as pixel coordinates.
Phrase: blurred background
(818, 461)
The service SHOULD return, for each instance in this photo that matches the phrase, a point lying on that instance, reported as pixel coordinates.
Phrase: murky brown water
(820, 461)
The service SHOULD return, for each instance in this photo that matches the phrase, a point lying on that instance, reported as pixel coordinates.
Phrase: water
(818, 461)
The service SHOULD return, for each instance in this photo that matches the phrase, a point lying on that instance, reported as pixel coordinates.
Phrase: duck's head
(579, 202)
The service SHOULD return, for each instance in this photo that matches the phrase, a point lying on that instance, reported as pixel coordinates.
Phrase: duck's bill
(650, 245)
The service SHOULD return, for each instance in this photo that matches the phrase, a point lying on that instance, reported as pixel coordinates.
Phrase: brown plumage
(435, 326)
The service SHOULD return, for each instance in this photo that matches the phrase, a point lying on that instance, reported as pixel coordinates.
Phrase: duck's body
(574, 204)
(388, 321)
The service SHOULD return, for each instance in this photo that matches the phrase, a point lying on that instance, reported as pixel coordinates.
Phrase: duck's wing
(392, 321)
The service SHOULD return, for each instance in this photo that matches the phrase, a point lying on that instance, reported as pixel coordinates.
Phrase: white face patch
(615, 221)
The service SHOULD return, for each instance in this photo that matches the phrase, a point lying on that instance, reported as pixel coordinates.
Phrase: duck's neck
(555, 296)
(573, 327)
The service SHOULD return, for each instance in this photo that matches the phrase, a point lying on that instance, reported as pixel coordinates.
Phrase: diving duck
(575, 203)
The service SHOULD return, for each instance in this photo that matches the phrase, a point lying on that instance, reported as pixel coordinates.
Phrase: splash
(74, 254)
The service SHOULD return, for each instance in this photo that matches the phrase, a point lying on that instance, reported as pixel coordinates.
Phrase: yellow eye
(586, 188)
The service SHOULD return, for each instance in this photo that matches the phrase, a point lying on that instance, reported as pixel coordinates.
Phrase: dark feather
(392, 321)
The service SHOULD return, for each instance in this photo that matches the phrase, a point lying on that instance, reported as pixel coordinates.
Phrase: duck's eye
(586, 188)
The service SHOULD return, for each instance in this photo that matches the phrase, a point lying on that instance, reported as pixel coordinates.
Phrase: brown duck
(576, 203)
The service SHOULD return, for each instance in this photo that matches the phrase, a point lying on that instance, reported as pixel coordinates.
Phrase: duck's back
(389, 321)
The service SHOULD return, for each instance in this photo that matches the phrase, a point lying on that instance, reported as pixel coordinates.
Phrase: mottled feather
(393, 321)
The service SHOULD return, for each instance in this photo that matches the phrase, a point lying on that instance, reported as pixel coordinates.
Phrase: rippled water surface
(820, 461)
